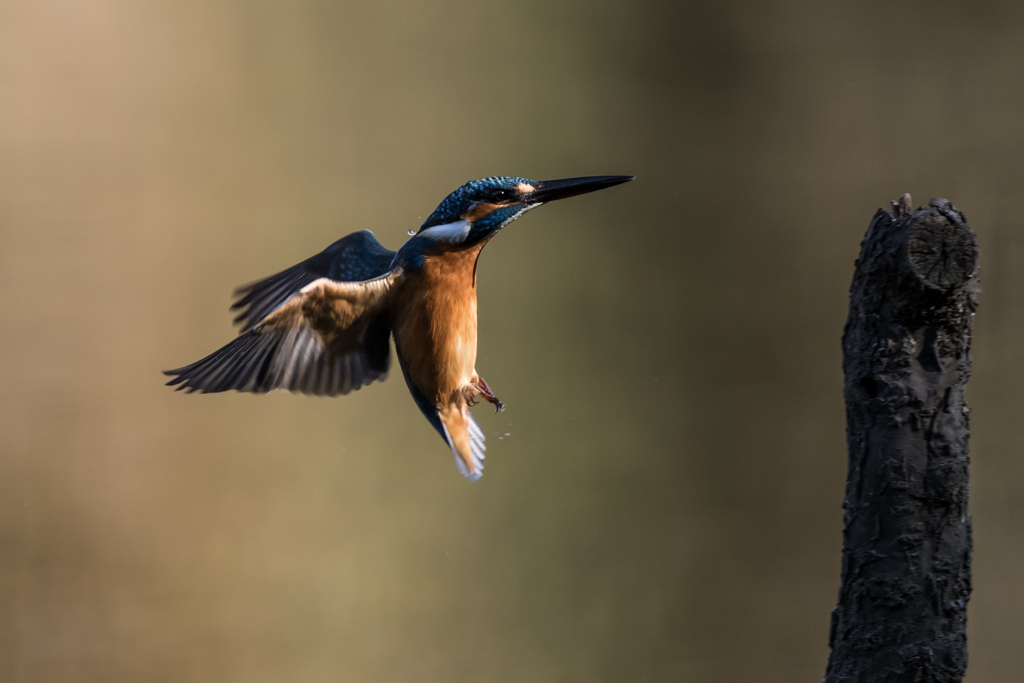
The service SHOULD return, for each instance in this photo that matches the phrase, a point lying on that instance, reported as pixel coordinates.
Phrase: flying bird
(322, 327)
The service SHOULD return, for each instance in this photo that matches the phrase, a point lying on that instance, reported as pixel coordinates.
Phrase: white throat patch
(454, 233)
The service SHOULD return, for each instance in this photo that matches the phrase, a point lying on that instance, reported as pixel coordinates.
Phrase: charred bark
(906, 569)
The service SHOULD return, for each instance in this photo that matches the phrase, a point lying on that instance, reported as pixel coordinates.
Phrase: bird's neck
(451, 266)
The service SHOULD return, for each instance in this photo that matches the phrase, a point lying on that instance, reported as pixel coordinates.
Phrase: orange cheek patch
(481, 211)
(525, 188)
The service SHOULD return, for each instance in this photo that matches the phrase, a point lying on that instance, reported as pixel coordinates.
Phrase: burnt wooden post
(906, 575)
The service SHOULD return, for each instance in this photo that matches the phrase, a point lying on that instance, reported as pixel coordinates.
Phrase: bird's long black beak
(550, 190)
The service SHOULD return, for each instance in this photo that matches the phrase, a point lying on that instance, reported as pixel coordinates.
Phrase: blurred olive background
(662, 495)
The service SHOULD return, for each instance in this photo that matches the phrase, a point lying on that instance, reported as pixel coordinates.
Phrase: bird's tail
(466, 440)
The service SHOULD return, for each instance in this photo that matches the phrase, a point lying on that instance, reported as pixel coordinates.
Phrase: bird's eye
(500, 194)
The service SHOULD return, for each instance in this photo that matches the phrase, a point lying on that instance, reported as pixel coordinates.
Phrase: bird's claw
(485, 390)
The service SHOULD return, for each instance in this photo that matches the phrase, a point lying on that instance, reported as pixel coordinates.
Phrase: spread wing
(328, 338)
(354, 258)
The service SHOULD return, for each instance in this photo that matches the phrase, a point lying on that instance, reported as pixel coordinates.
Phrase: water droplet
(411, 233)
(508, 433)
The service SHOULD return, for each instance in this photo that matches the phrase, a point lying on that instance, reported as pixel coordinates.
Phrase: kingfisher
(323, 326)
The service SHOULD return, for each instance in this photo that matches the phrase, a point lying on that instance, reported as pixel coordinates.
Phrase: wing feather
(355, 258)
(327, 339)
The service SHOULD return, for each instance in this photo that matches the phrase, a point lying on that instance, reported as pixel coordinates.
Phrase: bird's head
(480, 208)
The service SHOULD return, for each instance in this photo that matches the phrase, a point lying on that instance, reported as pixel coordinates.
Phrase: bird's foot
(485, 390)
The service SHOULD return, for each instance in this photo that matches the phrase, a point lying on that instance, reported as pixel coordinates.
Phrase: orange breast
(435, 323)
